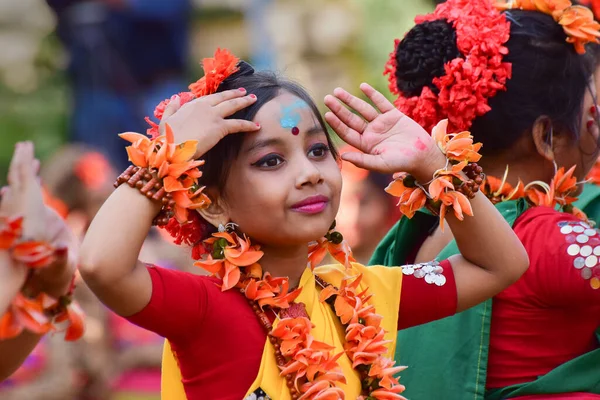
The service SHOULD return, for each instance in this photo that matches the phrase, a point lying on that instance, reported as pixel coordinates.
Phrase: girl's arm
(492, 257)
(111, 246)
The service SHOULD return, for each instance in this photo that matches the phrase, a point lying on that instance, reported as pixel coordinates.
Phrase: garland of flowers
(470, 80)
(559, 193)
(43, 313)
(309, 366)
(448, 188)
(577, 21)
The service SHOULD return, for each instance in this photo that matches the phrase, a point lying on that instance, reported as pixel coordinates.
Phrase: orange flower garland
(444, 190)
(309, 365)
(43, 313)
(560, 192)
(577, 21)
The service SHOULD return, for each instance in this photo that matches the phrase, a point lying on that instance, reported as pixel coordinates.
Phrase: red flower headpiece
(469, 81)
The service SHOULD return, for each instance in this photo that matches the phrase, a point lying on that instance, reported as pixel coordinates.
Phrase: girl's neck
(287, 262)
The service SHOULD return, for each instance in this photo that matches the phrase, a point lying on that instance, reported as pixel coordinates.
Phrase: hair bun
(421, 55)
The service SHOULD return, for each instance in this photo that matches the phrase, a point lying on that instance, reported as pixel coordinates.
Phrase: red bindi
(295, 131)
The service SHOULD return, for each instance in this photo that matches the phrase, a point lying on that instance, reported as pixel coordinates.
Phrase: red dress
(551, 314)
(218, 341)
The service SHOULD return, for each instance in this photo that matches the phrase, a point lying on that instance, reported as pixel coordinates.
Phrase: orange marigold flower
(11, 228)
(25, 313)
(460, 205)
(580, 27)
(456, 146)
(318, 249)
(216, 70)
(237, 252)
(174, 164)
(594, 175)
(411, 198)
(293, 333)
(269, 291)
(577, 21)
(34, 254)
(73, 316)
(499, 190)
(564, 184)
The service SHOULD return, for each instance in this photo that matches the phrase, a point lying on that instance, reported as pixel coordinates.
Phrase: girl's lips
(311, 205)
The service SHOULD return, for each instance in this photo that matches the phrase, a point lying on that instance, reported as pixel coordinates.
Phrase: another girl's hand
(390, 141)
(24, 197)
(203, 119)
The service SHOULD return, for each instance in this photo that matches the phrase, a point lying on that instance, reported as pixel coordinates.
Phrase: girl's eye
(269, 161)
(319, 150)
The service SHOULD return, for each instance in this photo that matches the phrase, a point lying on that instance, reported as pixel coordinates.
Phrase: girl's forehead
(286, 113)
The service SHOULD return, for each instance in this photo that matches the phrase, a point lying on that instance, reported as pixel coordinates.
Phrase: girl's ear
(217, 213)
(543, 137)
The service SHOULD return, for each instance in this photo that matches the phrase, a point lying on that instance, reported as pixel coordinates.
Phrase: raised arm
(111, 246)
(492, 257)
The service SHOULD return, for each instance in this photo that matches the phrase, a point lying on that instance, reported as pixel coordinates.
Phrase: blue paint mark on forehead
(290, 114)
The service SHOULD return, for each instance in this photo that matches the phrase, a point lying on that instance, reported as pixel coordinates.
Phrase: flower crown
(471, 79)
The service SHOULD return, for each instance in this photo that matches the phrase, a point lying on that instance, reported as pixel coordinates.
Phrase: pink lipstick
(311, 205)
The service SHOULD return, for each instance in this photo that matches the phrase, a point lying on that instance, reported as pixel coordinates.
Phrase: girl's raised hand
(389, 140)
(203, 119)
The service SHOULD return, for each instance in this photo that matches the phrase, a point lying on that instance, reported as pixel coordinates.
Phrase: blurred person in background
(42, 363)
(366, 211)
(125, 57)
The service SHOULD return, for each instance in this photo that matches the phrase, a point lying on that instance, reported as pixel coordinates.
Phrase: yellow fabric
(384, 282)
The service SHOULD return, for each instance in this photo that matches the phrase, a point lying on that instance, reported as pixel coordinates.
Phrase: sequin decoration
(432, 272)
(258, 394)
(584, 245)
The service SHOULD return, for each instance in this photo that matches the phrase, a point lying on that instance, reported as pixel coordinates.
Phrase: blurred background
(74, 73)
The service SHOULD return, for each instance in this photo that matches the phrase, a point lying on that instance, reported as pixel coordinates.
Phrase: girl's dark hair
(548, 77)
(266, 85)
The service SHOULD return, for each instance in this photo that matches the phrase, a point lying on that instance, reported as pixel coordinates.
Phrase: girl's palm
(389, 140)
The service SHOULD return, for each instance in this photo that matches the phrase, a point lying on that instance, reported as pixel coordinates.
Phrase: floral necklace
(309, 366)
(560, 192)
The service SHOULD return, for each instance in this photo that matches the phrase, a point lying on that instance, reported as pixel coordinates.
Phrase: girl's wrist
(425, 169)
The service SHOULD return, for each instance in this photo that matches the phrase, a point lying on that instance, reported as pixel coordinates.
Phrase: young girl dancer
(267, 324)
(523, 81)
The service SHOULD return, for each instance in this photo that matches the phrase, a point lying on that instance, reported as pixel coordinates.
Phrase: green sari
(448, 358)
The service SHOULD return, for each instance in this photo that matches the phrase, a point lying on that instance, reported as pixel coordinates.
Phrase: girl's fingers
(230, 107)
(345, 115)
(365, 109)
(347, 134)
(240, 125)
(218, 98)
(377, 98)
(170, 109)
(365, 161)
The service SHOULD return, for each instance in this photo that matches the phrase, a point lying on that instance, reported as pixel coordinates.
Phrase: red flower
(469, 81)
(216, 70)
